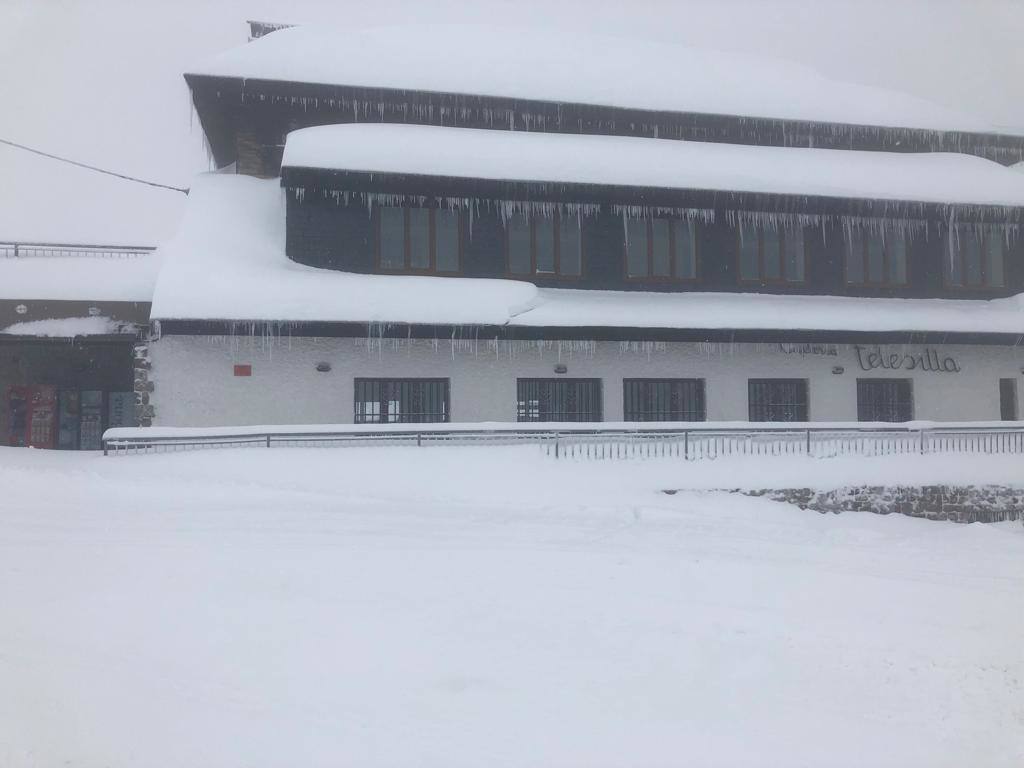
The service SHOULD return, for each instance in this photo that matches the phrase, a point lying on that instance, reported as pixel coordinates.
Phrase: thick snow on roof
(936, 177)
(228, 263)
(588, 69)
(69, 327)
(79, 278)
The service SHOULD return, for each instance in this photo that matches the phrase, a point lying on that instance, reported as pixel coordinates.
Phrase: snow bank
(544, 65)
(79, 278)
(69, 327)
(933, 177)
(457, 607)
(228, 263)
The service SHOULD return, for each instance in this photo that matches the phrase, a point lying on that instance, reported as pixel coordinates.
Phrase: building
(529, 228)
(73, 322)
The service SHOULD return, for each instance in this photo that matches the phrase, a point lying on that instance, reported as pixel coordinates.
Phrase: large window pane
(419, 238)
(896, 248)
(569, 258)
(401, 401)
(558, 400)
(749, 263)
(772, 254)
(544, 242)
(519, 245)
(636, 247)
(686, 250)
(876, 258)
(661, 258)
(392, 238)
(994, 260)
(794, 255)
(446, 232)
(970, 250)
(663, 399)
(855, 259)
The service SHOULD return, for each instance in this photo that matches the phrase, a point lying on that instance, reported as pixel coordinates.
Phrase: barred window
(770, 255)
(558, 400)
(1008, 399)
(777, 399)
(663, 400)
(975, 257)
(875, 258)
(401, 401)
(425, 240)
(660, 249)
(885, 400)
(544, 245)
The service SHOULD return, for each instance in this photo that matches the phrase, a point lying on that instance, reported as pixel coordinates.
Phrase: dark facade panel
(267, 109)
(342, 236)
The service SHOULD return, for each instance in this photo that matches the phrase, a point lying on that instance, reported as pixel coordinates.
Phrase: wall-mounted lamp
(561, 368)
(94, 311)
(21, 309)
(838, 369)
(323, 367)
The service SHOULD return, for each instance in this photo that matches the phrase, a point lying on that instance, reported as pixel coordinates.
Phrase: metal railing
(17, 250)
(689, 444)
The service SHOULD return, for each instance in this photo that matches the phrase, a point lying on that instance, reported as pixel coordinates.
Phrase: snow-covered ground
(467, 607)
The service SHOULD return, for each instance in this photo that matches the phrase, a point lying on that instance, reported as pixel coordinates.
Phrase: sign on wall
(929, 360)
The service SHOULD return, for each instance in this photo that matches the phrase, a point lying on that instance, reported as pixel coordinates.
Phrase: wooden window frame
(886, 265)
(407, 246)
(651, 277)
(983, 287)
(762, 280)
(556, 233)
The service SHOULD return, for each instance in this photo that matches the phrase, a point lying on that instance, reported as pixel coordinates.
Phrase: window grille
(885, 400)
(1008, 399)
(558, 400)
(663, 400)
(777, 399)
(401, 401)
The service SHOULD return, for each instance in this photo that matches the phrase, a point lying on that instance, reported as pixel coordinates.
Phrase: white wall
(195, 385)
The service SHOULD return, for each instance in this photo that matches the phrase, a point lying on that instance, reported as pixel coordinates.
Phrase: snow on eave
(543, 65)
(471, 153)
(79, 278)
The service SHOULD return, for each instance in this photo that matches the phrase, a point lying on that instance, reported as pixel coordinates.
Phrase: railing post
(268, 441)
(556, 445)
(15, 250)
(686, 445)
(104, 447)
(808, 442)
(922, 441)
(419, 439)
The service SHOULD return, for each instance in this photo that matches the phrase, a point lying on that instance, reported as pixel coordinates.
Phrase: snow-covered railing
(14, 249)
(687, 441)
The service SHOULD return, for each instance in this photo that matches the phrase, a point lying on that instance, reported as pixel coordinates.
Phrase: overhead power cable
(91, 167)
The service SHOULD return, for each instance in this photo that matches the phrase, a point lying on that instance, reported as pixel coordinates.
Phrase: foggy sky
(100, 81)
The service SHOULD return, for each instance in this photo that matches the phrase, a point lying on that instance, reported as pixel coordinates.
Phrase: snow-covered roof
(935, 177)
(79, 278)
(70, 327)
(228, 262)
(545, 65)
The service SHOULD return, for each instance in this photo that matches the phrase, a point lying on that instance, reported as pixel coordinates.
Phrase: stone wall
(143, 385)
(959, 504)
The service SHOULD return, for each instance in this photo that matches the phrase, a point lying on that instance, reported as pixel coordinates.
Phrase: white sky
(100, 80)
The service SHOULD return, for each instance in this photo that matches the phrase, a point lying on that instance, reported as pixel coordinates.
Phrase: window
(885, 400)
(558, 400)
(660, 249)
(876, 258)
(975, 258)
(401, 401)
(771, 255)
(419, 240)
(777, 399)
(663, 400)
(546, 246)
(1008, 399)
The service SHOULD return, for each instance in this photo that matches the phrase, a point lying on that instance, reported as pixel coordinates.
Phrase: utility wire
(91, 167)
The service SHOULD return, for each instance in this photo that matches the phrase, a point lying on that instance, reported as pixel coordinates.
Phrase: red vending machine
(42, 417)
(18, 399)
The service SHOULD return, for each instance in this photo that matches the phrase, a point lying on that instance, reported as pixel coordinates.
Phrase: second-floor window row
(432, 241)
